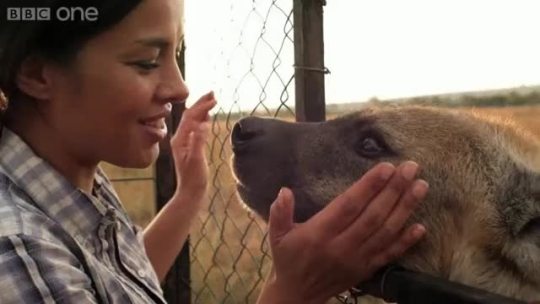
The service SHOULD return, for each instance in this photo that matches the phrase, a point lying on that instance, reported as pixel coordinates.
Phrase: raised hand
(351, 238)
(188, 148)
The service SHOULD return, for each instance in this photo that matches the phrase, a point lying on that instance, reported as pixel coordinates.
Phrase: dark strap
(396, 284)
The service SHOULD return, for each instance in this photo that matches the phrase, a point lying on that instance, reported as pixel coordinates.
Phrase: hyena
(482, 211)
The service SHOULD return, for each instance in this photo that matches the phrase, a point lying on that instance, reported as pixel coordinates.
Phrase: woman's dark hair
(52, 40)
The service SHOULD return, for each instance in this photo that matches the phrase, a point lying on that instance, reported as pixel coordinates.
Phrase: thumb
(281, 216)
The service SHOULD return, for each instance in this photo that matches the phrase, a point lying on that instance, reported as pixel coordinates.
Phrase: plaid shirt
(61, 245)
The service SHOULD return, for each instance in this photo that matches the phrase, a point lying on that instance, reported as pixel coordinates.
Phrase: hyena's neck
(519, 144)
(462, 261)
(486, 270)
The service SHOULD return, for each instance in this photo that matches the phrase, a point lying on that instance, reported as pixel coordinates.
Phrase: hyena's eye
(370, 147)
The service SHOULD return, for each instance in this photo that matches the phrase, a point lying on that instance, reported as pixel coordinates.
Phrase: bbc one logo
(46, 14)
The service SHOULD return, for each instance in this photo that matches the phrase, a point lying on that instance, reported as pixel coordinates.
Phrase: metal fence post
(177, 287)
(309, 60)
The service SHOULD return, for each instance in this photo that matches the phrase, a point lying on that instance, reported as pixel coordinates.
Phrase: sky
(373, 48)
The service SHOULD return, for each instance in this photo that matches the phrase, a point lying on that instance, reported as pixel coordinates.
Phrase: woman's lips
(156, 128)
(156, 123)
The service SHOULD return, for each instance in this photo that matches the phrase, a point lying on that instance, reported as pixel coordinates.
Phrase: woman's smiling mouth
(155, 125)
(156, 129)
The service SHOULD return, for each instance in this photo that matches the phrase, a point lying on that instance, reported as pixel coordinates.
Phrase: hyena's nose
(245, 131)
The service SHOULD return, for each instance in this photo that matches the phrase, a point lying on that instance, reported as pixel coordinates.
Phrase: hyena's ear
(520, 210)
(521, 204)
(532, 228)
(533, 225)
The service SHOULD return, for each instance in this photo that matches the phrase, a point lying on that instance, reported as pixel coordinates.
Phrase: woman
(82, 92)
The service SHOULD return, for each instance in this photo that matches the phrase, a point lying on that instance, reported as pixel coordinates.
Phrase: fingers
(199, 110)
(378, 210)
(392, 229)
(193, 117)
(396, 220)
(281, 216)
(199, 139)
(406, 240)
(343, 210)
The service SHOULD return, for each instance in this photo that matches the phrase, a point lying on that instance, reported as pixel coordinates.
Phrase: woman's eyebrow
(155, 42)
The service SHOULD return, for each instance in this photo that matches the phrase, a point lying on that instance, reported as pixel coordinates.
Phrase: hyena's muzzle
(266, 159)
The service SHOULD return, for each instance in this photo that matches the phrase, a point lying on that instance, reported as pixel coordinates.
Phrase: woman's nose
(172, 87)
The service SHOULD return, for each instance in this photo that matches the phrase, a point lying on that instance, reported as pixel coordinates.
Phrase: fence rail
(398, 285)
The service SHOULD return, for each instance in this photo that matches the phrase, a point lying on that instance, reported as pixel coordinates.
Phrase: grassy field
(229, 254)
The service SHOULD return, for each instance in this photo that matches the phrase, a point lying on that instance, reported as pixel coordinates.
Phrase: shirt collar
(77, 212)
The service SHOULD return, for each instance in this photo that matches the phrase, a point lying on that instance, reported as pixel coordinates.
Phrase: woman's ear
(33, 79)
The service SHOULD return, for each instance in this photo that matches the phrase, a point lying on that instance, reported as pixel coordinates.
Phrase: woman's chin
(147, 158)
(141, 160)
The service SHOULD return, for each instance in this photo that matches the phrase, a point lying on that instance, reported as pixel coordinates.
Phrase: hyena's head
(482, 211)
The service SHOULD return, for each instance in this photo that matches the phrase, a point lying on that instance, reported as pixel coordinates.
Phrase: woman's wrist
(184, 197)
(274, 292)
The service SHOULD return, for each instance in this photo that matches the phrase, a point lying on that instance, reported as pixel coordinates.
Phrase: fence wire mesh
(254, 58)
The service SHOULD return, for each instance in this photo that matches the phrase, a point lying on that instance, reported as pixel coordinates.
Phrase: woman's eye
(370, 147)
(146, 65)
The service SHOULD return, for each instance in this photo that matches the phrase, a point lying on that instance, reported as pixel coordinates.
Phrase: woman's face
(110, 104)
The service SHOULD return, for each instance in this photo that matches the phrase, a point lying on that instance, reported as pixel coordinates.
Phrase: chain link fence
(253, 66)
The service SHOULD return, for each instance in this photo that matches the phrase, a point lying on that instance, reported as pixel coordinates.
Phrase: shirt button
(141, 273)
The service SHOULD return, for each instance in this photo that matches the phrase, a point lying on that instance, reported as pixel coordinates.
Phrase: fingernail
(386, 172)
(279, 200)
(409, 170)
(418, 231)
(420, 189)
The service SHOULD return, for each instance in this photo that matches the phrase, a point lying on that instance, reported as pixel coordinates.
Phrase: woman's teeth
(158, 124)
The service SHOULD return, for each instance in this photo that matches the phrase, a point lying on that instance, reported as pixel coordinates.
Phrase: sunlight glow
(382, 48)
